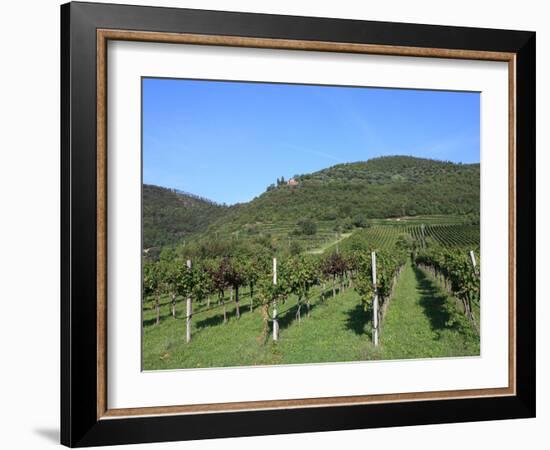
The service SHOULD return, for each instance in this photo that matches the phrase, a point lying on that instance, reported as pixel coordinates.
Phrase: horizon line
(228, 205)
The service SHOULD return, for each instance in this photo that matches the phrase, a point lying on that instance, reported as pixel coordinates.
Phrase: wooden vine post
(189, 311)
(473, 259)
(275, 322)
(476, 273)
(374, 302)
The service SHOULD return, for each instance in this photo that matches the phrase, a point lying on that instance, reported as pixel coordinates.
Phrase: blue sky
(228, 141)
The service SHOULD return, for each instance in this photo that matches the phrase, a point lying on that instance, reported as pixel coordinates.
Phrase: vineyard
(448, 232)
(395, 290)
(286, 234)
(385, 237)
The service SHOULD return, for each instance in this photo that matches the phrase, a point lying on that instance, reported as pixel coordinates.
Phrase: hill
(379, 188)
(316, 208)
(169, 216)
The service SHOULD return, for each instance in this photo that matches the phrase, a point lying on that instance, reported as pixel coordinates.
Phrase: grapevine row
(454, 271)
(214, 277)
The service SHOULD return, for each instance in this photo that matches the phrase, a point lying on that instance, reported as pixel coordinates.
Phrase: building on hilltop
(292, 182)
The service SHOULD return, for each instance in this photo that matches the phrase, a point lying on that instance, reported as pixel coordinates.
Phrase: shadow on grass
(211, 321)
(320, 299)
(153, 320)
(327, 294)
(358, 319)
(289, 316)
(434, 302)
(217, 319)
(165, 314)
(285, 319)
(166, 308)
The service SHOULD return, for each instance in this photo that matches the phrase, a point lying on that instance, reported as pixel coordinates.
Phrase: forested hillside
(169, 216)
(379, 188)
(313, 207)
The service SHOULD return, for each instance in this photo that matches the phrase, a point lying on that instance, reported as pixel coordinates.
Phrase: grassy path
(323, 248)
(423, 322)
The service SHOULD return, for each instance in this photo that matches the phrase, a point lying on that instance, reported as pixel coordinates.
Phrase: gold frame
(103, 36)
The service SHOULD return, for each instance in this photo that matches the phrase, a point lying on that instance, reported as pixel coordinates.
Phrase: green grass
(338, 330)
(421, 322)
(424, 322)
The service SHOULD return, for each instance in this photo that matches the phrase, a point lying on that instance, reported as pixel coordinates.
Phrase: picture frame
(86, 418)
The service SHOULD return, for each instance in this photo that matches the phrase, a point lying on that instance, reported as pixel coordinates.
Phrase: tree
(307, 227)
(347, 224)
(184, 278)
(234, 275)
(301, 275)
(251, 274)
(360, 221)
(219, 280)
(345, 210)
(202, 286)
(170, 278)
(351, 266)
(295, 248)
(363, 279)
(334, 265)
(406, 242)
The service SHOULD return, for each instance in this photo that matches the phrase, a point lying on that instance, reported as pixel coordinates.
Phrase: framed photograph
(276, 224)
